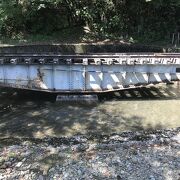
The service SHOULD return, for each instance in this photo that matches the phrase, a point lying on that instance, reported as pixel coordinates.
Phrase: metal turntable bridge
(87, 73)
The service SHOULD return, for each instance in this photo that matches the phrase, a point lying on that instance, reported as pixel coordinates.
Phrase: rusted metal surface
(87, 73)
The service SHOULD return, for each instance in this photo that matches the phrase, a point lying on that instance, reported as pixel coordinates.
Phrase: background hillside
(89, 21)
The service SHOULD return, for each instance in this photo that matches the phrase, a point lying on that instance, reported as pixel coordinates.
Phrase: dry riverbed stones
(152, 155)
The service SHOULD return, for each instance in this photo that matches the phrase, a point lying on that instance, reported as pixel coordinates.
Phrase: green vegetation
(88, 20)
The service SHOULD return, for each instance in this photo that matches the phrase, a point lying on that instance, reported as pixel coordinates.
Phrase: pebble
(152, 178)
(19, 164)
(177, 138)
(121, 159)
(7, 164)
(40, 177)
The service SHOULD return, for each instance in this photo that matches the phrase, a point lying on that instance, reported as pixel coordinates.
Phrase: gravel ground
(152, 155)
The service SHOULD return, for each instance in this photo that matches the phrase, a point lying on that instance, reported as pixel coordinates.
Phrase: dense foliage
(105, 18)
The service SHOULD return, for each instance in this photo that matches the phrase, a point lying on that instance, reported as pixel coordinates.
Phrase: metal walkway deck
(87, 73)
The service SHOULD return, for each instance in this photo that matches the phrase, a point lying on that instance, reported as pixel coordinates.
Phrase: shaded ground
(31, 115)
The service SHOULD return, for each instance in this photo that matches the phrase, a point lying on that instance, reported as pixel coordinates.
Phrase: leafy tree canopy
(106, 18)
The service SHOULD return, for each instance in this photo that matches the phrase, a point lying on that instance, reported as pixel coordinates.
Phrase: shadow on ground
(37, 115)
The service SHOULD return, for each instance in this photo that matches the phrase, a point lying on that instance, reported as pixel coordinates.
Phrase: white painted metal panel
(112, 77)
(161, 69)
(33, 72)
(2, 74)
(155, 78)
(130, 79)
(142, 78)
(112, 80)
(140, 69)
(16, 75)
(94, 78)
(165, 77)
(47, 77)
(35, 76)
(62, 78)
(129, 68)
(78, 77)
(175, 77)
(114, 68)
(135, 78)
